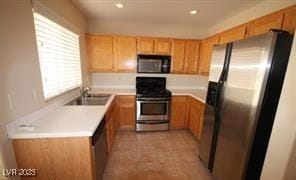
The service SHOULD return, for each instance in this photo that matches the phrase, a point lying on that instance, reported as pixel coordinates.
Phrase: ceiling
(170, 12)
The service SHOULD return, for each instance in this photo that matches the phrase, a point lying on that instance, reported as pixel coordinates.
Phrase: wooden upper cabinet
(179, 112)
(145, 45)
(125, 53)
(178, 55)
(206, 54)
(234, 34)
(264, 24)
(191, 56)
(149, 45)
(162, 46)
(289, 23)
(100, 53)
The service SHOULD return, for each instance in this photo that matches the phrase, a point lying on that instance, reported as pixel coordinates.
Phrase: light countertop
(77, 121)
(198, 94)
(64, 121)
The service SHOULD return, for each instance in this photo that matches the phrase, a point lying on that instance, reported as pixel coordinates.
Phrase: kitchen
(107, 39)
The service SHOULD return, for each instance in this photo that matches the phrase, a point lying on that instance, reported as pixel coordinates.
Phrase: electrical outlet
(10, 102)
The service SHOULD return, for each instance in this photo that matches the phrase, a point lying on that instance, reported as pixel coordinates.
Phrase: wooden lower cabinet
(56, 158)
(195, 117)
(64, 158)
(187, 112)
(111, 126)
(126, 112)
(179, 112)
(194, 114)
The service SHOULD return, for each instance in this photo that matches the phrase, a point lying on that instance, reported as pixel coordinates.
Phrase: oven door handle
(153, 99)
(152, 122)
(155, 102)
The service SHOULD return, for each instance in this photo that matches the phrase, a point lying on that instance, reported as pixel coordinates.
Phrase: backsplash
(127, 80)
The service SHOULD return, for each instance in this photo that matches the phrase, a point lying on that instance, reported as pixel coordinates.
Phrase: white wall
(283, 137)
(19, 68)
(144, 29)
(127, 80)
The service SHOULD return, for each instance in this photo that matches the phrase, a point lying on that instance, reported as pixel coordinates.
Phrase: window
(59, 57)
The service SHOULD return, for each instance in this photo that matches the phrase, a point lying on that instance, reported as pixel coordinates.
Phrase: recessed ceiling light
(119, 5)
(193, 12)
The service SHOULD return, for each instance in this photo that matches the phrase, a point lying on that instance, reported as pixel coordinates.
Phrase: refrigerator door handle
(223, 77)
(224, 73)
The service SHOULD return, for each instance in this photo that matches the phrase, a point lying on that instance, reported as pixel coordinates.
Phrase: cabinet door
(264, 24)
(162, 46)
(145, 45)
(110, 132)
(178, 55)
(234, 34)
(194, 117)
(289, 23)
(116, 119)
(206, 54)
(55, 158)
(110, 125)
(191, 56)
(179, 112)
(100, 53)
(125, 53)
(126, 112)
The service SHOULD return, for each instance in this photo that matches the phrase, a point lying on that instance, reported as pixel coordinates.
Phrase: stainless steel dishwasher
(99, 144)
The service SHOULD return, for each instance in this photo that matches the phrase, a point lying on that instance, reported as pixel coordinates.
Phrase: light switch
(35, 94)
(10, 102)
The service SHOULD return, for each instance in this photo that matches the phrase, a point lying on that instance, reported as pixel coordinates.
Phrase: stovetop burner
(152, 87)
(153, 93)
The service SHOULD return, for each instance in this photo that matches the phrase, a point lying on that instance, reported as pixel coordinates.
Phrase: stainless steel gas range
(153, 104)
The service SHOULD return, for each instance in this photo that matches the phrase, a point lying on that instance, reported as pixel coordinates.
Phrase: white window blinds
(59, 56)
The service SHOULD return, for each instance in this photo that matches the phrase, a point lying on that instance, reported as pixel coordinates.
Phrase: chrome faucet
(84, 91)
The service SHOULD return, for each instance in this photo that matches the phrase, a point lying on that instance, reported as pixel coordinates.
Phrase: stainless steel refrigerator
(244, 87)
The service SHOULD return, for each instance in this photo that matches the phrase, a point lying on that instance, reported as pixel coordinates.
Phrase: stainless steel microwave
(153, 64)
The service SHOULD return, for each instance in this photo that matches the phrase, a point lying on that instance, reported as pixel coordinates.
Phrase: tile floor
(170, 155)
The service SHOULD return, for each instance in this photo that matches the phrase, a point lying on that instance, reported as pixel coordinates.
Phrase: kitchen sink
(90, 100)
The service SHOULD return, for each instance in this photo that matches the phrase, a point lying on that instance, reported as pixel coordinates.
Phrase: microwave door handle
(158, 67)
